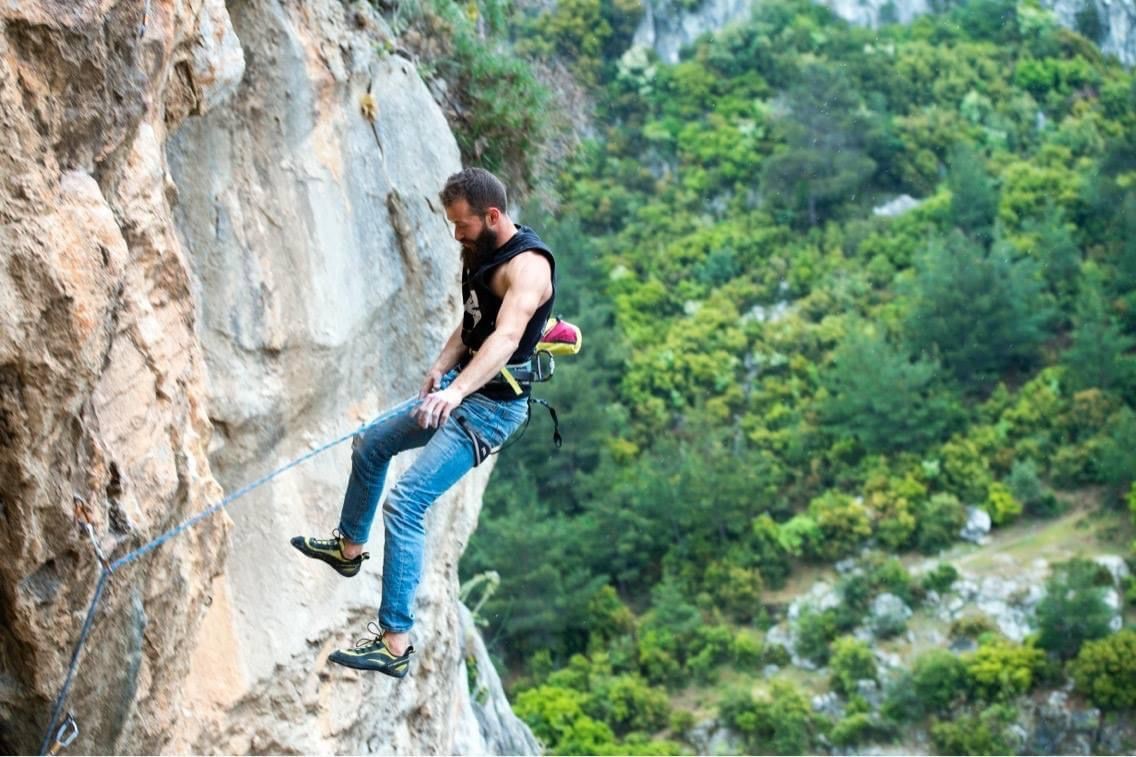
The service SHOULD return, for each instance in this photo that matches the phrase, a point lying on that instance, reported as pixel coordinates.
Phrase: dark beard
(483, 247)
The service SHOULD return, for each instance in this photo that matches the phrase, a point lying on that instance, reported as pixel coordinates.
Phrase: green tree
(1073, 610)
(940, 518)
(1105, 671)
(824, 160)
(852, 660)
(879, 396)
(981, 313)
(1098, 355)
(940, 680)
(974, 198)
(779, 722)
(1000, 670)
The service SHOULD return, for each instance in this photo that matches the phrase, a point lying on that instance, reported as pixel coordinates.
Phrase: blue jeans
(448, 455)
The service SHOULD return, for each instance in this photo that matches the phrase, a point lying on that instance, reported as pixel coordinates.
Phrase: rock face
(667, 27)
(213, 262)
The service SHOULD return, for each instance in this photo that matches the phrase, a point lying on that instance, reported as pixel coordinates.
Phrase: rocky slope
(212, 262)
(666, 26)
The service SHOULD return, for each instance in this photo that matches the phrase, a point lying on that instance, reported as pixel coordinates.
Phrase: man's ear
(494, 216)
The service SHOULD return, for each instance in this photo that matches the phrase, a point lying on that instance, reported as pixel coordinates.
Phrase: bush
(1001, 505)
(940, 519)
(1073, 610)
(852, 660)
(843, 521)
(1105, 671)
(1001, 670)
(853, 729)
(780, 722)
(939, 681)
(1026, 487)
(815, 630)
(984, 734)
(940, 579)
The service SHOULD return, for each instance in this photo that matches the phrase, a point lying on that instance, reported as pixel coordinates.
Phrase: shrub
(1105, 671)
(984, 734)
(851, 661)
(1001, 505)
(815, 630)
(940, 519)
(1000, 670)
(939, 680)
(941, 578)
(780, 722)
(737, 590)
(1073, 610)
(843, 521)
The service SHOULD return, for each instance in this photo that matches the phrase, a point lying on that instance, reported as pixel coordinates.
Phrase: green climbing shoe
(373, 654)
(331, 552)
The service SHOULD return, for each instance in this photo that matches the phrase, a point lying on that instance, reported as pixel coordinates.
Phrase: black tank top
(482, 306)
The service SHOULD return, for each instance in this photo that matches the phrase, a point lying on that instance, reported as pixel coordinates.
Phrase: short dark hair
(481, 189)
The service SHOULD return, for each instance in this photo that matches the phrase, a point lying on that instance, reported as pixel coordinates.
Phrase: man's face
(473, 231)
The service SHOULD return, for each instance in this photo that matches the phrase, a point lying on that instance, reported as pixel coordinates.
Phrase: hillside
(848, 294)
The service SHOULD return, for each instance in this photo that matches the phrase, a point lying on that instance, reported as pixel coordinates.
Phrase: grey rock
(1116, 567)
(888, 614)
(896, 207)
(977, 525)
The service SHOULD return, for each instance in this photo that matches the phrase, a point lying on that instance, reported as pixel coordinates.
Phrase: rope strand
(185, 525)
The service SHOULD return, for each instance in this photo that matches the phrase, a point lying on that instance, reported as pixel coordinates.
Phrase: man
(464, 408)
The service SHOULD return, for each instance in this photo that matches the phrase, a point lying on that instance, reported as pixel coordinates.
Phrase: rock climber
(472, 399)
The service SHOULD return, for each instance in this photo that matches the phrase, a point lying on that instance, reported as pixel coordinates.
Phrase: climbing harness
(558, 339)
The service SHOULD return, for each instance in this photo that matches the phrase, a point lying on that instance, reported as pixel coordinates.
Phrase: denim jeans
(448, 455)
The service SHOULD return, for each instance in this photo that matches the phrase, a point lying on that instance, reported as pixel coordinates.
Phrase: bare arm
(451, 353)
(527, 279)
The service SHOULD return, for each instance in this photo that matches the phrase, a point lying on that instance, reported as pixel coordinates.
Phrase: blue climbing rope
(185, 525)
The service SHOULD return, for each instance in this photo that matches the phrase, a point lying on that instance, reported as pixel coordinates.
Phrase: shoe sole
(349, 662)
(298, 543)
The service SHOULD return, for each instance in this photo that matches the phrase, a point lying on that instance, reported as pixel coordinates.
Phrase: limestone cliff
(666, 26)
(212, 261)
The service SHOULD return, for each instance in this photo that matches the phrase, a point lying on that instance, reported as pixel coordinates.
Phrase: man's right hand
(432, 382)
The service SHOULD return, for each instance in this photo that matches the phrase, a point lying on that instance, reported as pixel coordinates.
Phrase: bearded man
(467, 405)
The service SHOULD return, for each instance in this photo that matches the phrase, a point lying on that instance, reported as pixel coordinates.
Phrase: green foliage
(824, 159)
(940, 518)
(736, 590)
(780, 722)
(715, 240)
(1026, 487)
(1000, 670)
(877, 395)
(939, 680)
(1073, 610)
(497, 106)
(851, 661)
(844, 524)
(1001, 505)
(815, 630)
(1104, 671)
(974, 199)
(970, 734)
(941, 578)
(962, 292)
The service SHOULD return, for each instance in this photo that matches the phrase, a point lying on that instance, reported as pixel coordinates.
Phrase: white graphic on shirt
(473, 307)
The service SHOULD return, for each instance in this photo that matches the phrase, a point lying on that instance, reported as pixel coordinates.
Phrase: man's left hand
(435, 409)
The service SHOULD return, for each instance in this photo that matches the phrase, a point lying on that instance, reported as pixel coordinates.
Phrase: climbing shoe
(331, 552)
(373, 654)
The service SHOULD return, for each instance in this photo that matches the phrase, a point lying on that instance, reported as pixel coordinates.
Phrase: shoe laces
(377, 636)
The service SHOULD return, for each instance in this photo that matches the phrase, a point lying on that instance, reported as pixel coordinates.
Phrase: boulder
(977, 525)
